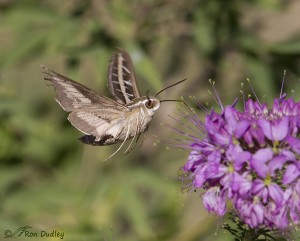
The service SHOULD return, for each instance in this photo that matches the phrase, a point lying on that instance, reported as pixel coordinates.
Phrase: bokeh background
(51, 181)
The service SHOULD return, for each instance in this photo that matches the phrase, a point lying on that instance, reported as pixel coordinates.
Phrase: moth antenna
(147, 95)
(169, 100)
(125, 139)
(169, 87)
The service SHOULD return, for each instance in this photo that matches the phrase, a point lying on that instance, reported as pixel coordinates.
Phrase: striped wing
(102, 126)
(72, 95)
(98, 117)
(121, 78)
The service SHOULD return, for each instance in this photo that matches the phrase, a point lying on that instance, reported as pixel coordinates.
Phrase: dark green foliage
(242, 232)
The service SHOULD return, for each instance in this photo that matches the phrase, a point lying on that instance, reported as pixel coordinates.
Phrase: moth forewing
(72, 95)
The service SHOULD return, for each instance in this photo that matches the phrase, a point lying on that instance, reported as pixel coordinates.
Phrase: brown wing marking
(72, 95)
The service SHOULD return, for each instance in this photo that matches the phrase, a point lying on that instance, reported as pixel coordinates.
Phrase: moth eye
(149, 104)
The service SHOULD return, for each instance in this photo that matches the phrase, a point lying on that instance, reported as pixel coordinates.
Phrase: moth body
(105, 121)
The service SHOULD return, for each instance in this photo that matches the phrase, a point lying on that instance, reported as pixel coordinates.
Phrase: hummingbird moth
(102, 120)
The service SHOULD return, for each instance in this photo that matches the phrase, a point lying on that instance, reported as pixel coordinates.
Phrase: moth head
(151, 103)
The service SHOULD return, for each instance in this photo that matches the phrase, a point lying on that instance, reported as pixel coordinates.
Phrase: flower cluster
(252, 158)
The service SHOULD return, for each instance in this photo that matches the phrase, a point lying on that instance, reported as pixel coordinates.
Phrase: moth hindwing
(105, 121)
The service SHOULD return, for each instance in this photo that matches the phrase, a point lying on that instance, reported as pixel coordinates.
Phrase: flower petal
(291, 173)
(241, 128)
(259, 159)
(231, 119)
(241, 158)
(276, 193)
(294, 143)
(214, 201)
(265, 126)
(277, 163)
(200, 178)
(280, 129)
(275, 131)
(257, 215)
(193, 158)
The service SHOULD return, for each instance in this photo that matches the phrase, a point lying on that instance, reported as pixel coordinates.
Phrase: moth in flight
(102, 120)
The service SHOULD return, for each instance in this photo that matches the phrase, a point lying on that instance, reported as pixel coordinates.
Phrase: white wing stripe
(90, 119)
(114, 130)
(120, 77)
(128, 82)
(127, 70)
(71, 92)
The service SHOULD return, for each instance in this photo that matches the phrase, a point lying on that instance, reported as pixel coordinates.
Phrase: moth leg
(135, 134)
(136, 141)
(125, 139)
(144, 136)
(138, 134)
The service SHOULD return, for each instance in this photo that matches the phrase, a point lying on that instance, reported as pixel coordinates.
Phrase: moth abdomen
(91, 140)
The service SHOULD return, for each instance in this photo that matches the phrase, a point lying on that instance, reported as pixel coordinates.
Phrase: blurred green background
(51, 181)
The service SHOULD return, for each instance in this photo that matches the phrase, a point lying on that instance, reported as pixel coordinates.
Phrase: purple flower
(251, 212)
(214, 201)
(251, 158)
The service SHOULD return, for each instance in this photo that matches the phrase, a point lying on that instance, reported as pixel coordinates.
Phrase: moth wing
(121, 78)
(105, 125)
(72, 95)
